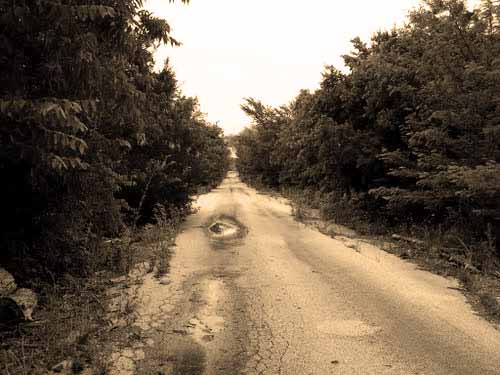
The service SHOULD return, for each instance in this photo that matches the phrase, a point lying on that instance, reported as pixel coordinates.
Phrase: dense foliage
(410, 134)
(91, 138)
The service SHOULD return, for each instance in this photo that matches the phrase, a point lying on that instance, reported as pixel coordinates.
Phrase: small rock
(396, 237)
(208, 338)
(77, 367)
(339, 230)
(165, 281)
(27, 301)
(182, 332)
(62, 366)
(7, 283)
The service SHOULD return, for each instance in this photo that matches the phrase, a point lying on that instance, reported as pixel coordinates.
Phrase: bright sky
(266, 49)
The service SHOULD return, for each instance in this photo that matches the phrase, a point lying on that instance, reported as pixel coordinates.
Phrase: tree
(88, 132)
(415, 123)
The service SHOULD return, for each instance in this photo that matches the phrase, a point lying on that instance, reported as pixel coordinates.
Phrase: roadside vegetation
(406, 141)
(97, 152)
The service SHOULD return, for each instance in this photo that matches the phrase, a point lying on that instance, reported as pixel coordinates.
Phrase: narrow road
(255, 292)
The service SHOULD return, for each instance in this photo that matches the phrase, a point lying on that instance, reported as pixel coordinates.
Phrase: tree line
(92, 139)
(409, 135)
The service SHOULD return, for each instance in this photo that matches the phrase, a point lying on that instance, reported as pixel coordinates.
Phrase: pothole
(349, 328)
(225, 228)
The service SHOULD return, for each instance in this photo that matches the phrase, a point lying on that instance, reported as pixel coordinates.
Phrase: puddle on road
(223, 229)
(349, 328)
(207, 323)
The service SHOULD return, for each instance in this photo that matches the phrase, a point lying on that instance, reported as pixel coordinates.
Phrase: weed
(491, 304)
(298, 211)
(159, 238)
(468, 280)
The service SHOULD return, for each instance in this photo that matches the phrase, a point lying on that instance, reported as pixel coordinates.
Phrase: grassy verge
(69, 323)
(77, 318)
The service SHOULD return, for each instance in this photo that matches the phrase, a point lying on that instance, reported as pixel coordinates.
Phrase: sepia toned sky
(266, 49)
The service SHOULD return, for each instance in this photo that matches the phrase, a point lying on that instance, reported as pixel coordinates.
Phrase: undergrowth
(69, 324)
(72, 320)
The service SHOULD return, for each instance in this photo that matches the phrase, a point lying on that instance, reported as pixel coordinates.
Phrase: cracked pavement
(272, 296)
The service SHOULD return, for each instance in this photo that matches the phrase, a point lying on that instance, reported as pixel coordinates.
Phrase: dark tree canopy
(91, 138)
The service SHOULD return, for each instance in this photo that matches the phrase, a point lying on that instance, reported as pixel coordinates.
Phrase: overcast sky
(266, 49)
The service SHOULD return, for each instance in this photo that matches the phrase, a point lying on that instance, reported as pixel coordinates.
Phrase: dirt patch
(348, 328)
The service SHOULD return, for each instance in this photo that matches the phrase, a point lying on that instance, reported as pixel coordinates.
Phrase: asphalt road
(258, 293)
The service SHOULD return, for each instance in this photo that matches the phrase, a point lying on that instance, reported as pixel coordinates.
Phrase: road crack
(264, 349)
